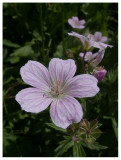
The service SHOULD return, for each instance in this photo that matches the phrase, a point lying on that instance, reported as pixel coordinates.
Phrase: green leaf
(59, 51)
(95, 146)
(64, 146)
(8, 43)
(114, 125)
(78, 150)
(55, 127)
(23, 51)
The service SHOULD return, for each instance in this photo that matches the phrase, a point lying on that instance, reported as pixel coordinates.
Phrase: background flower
(75, 23)
(97, 37)
(88, 56)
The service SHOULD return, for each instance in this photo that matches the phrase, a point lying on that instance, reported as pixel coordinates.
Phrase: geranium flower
(93, 58)
(75, 23)
(88, 56)
(56, 86)
(89, 42)
(97, 37)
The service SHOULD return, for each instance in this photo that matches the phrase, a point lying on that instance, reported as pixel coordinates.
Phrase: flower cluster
(58, 87)
(91, 59)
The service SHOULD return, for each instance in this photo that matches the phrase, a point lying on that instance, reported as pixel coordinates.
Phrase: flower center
(56, 89)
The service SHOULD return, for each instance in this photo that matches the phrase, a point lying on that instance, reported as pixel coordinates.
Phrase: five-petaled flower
(93, 58)
(75, 23)
(88, 42)
(88, 56)
(97, 37)
(56, 86)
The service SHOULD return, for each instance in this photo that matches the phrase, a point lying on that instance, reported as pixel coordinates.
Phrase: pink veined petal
(31, 100)
(104, 39)
(81, 55)
(82, 22)
(104, 45)
(81, 37)
(96, 44)
(82, 86)
(62, 70)
(35, 74)
(94, 55)
(88, 56)
(71, 22)
(65, 112)
(75, 19)
(90, 37)
(98, 58)
(98, 35)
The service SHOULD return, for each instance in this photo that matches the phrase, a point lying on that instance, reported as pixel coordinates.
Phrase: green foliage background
(36, 31)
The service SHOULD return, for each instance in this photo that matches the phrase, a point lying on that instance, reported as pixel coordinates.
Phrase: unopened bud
(100, 74)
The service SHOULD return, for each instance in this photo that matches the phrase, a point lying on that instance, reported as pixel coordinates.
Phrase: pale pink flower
(100, 74)
(93, 58)
(89, 42)
(56, 86)
(98, 58)
(75, 23)
(99, 39)
(88, 56)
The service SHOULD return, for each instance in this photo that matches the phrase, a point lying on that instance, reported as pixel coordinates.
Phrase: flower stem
(5, 107)
(42, 33)
(83, 64)
(63, 29)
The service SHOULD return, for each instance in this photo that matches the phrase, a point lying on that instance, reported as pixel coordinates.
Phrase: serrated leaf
(78, 150)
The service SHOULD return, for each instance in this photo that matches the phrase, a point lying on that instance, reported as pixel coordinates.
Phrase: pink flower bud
(100, 74)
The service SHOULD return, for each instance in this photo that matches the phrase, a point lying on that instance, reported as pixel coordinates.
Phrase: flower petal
(81, 55)
(81, 37)
(62, 70)
(84, 85)
(82, 22)
(35, 74)
(31, 100)
(98, 58)
(104, 39)
(98, 36)
(66, 111)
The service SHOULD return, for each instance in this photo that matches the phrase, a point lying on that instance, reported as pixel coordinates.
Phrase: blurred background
(38, 31)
